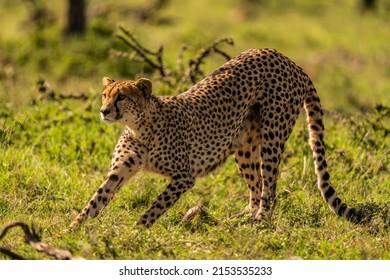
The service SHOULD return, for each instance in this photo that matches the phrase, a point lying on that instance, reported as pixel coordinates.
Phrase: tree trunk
(369, 4)
(76, 17)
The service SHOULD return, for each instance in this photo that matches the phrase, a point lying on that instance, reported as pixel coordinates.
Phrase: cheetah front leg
(178, 185)
(102, 196)
(126, 161)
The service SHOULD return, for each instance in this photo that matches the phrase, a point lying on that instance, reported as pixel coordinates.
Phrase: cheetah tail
(316, 139)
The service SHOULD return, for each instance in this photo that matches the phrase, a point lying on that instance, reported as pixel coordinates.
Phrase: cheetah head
(124, 101)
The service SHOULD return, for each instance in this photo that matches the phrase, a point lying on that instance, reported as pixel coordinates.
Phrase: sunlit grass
(55, 153)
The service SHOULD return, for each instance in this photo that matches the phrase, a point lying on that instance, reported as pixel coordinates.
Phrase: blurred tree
(368, 4)
(39, 16)
(76, 17)
(147, 12)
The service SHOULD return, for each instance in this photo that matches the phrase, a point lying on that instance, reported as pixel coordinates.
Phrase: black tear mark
(119, 183)
(118, 115)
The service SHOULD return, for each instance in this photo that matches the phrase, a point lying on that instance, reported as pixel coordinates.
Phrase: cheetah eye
(120, 97)
(103, 95)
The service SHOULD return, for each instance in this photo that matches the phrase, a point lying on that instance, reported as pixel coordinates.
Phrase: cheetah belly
(211, 150)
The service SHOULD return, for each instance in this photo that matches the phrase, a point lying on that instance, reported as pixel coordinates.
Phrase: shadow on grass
(377, 216)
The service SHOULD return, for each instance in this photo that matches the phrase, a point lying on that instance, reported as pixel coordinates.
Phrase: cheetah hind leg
(269, 170)
(248, 162)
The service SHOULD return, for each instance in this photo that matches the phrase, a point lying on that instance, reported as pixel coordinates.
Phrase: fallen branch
(10, 254)
(31, 237)
(194, 211)
(200, 211)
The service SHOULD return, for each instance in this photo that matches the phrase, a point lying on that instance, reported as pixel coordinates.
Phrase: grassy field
(55, 152)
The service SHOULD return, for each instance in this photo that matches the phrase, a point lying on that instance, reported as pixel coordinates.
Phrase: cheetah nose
(105, 111)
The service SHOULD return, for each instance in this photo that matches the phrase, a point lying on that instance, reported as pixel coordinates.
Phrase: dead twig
(48, 93)
(147, 12)
(194, 64)
(180, 60)
(144, 53)
(31, 237)
(182, 74)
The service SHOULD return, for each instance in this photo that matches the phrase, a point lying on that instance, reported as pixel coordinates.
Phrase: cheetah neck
(142, 129)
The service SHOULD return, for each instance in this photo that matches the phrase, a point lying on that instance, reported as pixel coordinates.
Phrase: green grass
(55, 153)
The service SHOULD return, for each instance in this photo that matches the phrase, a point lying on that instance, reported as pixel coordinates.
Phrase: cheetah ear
(106, 81)
(145, 85)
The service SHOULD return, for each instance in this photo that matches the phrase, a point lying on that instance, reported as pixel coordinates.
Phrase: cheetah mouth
(110, 119)
(106, 119)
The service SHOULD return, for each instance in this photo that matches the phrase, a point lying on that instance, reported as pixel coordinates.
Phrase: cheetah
(247, 108)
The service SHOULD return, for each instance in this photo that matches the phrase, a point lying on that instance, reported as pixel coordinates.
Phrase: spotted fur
(246, 108)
